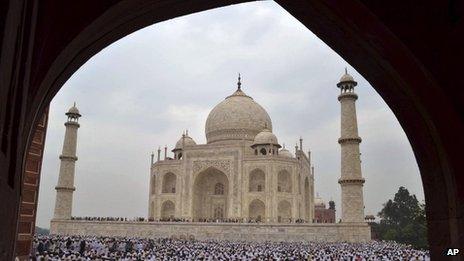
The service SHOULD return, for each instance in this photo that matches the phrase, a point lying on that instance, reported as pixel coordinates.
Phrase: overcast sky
(142, 91)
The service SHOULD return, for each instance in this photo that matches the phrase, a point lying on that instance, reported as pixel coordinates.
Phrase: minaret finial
(239, 84)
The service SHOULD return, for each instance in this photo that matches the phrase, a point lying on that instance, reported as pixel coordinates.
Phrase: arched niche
(284, 212)
(168, 209)
(284, 181)
(206, 201)
(257, 210)
(169, 183)
(257, 181)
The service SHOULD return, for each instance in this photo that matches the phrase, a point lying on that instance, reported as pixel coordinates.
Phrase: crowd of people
(53, 247)
(174, 219)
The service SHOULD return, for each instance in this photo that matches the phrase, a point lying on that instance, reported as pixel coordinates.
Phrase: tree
(403, 220)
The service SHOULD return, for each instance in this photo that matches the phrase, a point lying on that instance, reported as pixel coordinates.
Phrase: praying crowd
(53, 247)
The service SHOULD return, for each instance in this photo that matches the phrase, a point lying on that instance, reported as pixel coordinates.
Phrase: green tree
(403, 220)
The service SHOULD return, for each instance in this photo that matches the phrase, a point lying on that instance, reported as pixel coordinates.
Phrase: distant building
(323, 214)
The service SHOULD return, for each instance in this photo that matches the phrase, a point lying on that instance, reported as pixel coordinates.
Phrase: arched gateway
(210, 195)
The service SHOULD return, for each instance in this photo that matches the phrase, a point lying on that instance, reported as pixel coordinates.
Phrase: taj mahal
(242, 184)
(241, 172)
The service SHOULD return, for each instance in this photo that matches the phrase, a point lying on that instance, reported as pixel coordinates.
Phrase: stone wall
(354, 232)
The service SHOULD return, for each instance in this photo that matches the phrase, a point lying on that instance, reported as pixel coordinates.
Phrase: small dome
(265, 137)
(347, 78)
(188, 141)
(73, 111)
(319, 202)
(285, 153)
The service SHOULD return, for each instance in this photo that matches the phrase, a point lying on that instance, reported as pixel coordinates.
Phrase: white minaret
(351, 180)
(65, 187)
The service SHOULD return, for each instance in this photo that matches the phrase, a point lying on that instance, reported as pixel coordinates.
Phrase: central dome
(236, 118)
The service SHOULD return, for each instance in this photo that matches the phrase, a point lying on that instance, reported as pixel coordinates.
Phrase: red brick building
(323, 214)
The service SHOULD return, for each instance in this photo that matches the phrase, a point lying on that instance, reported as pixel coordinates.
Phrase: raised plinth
(334, 232)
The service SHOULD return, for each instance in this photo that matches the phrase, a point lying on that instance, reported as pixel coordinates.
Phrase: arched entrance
(284, 212)
(387, 48)
(168, 210)
(257, 211)
(257, 181)
(210, 195)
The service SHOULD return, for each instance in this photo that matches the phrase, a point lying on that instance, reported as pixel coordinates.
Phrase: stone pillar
(65, 186)
(351, 180)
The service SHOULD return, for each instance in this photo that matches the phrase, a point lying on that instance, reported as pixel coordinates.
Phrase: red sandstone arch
(410, 55)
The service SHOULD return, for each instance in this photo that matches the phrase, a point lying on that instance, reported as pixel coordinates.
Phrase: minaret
(351, 180)
(65, 187)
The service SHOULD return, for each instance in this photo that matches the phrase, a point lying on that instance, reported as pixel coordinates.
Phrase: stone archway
(169, 183)
(257, 211)
(284, 212)
(257, 181)
(389, 49)
(168, 209)
(284, 182)
(210, 195)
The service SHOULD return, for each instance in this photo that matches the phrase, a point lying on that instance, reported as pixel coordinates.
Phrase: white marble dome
(188, 142)
(265, 137)
(285, 153)
(319, 202)
(236, 118)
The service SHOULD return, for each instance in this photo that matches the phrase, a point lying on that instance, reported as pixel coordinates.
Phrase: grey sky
(142, 91)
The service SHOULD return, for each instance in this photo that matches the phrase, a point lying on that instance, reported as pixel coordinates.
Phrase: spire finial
(74, 104)
(239, 84)
(186, 132)
(346, 71)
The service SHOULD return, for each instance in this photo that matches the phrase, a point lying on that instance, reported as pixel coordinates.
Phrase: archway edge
(403, 79)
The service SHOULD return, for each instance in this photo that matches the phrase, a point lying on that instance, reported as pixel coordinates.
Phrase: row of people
(174, 219)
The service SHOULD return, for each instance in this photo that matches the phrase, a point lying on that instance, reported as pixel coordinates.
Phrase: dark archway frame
(415, 71)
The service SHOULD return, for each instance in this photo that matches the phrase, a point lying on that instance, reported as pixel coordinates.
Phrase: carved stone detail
(222, 165)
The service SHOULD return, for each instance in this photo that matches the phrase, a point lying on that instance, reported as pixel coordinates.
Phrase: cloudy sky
(142, 91)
